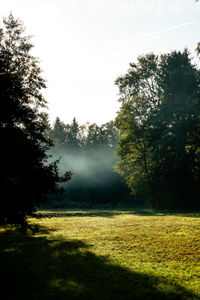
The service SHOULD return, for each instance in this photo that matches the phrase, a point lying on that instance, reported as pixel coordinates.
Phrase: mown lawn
(103, 255)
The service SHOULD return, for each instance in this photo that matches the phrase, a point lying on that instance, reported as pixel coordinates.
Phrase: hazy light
(84, 45)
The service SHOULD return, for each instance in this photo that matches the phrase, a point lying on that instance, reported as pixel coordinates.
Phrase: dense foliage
(159, 124)
(25, 175)
(89, 152)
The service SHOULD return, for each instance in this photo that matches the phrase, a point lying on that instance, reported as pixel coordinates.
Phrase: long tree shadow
(41, 268)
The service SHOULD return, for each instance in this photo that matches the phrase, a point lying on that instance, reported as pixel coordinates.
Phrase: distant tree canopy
(159, 125)
(26, 177)
(89, 151)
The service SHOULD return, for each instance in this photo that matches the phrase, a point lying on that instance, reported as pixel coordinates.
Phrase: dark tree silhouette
(26, 177)
(58, 132)
(159, 128)
(198, 49)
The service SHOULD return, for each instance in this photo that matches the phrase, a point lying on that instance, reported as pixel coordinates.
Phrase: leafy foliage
(159, 129)
(25, 175)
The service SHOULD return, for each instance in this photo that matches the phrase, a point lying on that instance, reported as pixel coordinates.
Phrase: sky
(84, 45)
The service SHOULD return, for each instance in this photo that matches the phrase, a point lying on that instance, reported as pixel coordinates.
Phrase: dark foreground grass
(103, 255)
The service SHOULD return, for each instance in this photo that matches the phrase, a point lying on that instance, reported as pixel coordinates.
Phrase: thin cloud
(154, 33)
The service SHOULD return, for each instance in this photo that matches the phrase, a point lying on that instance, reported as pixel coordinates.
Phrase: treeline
(88, 151)
(159, 127)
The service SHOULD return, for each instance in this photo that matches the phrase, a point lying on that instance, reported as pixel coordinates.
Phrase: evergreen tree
(26, 177)
(72, 136)
(58, 132)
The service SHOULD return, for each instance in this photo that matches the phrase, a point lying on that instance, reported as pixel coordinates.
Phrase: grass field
(103, 255)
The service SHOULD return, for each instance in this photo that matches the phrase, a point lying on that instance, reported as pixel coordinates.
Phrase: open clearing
(103, 254)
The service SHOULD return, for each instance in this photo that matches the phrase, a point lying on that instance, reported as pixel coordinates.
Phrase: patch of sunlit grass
(116, 255)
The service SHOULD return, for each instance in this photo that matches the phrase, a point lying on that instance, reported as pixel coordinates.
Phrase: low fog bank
(89, 152)
(94, 180)
(87, 167)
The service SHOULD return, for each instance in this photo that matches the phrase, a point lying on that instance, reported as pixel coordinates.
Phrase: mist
(86, 166)
(89, 152)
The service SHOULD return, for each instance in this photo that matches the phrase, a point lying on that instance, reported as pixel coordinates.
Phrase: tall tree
(140, 97)
(58, 132)
(175, 152)
(159, 129)
(72, 135)
(26, 177)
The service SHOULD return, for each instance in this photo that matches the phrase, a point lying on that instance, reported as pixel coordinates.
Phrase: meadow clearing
(103, 254)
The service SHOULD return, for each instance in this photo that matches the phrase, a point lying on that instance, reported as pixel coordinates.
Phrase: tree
(58, 132)
(198, 49)
(26, 177)
(159, 128)
(176, 159)
(72, 136)
(140, 96)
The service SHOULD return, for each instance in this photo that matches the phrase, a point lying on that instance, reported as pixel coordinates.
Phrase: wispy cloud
(154, 33)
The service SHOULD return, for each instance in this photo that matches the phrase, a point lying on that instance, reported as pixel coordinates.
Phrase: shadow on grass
(53, 269)
(109, 213)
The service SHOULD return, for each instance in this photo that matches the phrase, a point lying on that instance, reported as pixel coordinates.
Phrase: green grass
(103, 255)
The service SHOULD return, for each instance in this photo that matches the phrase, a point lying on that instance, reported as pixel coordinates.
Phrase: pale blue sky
(84, 45)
